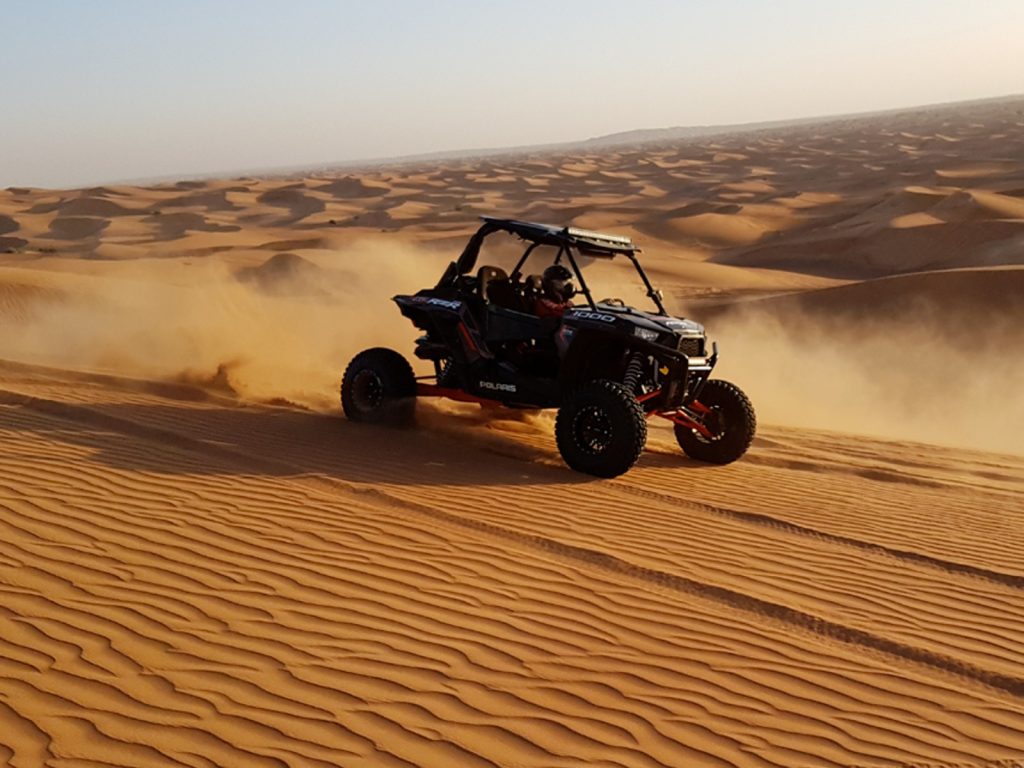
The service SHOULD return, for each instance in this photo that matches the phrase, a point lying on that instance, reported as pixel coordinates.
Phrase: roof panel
(555, 235)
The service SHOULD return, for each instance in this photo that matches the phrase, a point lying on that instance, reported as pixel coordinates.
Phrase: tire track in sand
(786, 526)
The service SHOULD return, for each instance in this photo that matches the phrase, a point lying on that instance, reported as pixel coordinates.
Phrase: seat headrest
(486, 274)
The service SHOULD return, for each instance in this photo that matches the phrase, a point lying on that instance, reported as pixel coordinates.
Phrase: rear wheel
(601, 429)
(730, 419)
(379, 388)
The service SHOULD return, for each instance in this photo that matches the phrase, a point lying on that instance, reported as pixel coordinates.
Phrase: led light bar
(599, 237)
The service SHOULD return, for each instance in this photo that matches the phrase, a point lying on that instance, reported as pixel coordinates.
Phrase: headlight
(646, 334)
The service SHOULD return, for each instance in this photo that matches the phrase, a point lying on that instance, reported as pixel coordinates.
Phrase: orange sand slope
(202, 564)
(191, 582)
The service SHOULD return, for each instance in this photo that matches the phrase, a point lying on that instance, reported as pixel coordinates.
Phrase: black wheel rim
(367, 390)
(715, 424)
(592, 430)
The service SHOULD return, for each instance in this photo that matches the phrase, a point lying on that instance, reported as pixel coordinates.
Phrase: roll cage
(566, 239)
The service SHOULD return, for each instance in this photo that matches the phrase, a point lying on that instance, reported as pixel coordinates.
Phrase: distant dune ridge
(286, 273)
(202, 564)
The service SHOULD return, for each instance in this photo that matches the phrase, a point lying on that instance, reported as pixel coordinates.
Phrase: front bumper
(680, 378)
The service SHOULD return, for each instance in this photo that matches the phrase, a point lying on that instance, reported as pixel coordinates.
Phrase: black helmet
(557, 283)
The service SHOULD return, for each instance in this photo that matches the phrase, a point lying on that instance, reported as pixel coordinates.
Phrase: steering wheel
(613, 302)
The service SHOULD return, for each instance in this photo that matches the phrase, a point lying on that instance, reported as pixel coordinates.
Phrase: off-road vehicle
(605, 366)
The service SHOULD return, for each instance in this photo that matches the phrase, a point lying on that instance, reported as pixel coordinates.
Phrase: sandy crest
(202, 564)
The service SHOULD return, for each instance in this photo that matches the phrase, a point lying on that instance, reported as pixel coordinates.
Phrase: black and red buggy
(605, 366)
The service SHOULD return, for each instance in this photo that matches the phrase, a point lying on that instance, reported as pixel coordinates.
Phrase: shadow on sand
(203, 439)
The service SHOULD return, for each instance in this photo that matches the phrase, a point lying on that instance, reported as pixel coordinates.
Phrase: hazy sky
(105, 90)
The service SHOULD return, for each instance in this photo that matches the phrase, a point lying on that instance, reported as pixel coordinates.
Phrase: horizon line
(631, 137)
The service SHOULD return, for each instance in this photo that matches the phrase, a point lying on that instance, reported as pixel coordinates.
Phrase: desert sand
(202, 563)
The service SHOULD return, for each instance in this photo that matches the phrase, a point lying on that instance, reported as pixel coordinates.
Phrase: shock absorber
(634, 373)
(444, 370)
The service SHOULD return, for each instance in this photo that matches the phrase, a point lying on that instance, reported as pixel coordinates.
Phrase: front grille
(691, 346)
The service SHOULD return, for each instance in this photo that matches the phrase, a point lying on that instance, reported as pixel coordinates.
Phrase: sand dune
(960, 303)
(285, 273)
(295, 200)
(971, 204)
(202, 563)
(270, 585)
(349, 187)
(727, 228)
(207, 199)
(12, 244)
(91, 205)
(77, 227)
(171, 226)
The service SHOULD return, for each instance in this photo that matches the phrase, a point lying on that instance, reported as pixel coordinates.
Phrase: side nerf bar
(433, 390)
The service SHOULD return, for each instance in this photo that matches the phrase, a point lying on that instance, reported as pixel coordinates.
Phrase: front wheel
(731, 420)
(379, 387)
(601, 429)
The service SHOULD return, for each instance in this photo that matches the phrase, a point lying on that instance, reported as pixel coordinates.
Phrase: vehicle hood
(662, 323)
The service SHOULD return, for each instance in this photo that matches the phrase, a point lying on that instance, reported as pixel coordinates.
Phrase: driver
(556, 291)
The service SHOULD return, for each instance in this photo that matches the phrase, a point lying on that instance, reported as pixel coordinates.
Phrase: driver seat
(533, 289)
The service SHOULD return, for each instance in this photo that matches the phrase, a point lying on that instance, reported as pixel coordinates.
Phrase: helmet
(557, 283)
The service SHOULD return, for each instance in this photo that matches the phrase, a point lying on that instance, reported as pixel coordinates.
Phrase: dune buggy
(605, 366)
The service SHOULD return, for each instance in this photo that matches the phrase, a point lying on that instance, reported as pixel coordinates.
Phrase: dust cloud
(886, 377)
(280, 331)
